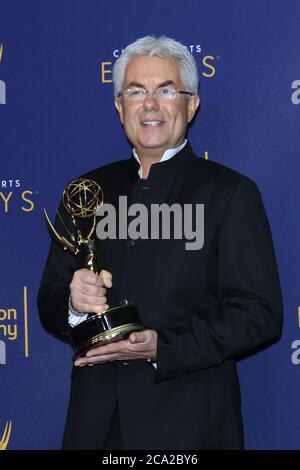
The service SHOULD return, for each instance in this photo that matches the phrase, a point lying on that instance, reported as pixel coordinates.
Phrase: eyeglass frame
(147, 93)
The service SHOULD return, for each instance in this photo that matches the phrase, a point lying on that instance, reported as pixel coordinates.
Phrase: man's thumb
(137, 337)
(107, 278)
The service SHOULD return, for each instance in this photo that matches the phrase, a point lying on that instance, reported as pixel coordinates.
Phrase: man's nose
(150, 102)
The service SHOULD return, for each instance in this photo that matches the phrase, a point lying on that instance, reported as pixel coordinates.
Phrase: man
(174, 385)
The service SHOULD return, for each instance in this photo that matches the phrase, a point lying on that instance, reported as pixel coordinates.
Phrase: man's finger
(88, 277)
(107, 277)
(90, 308)
(138, 337)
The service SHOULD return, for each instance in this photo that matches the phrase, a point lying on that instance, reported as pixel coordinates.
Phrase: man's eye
(166, 91)
(136, 92)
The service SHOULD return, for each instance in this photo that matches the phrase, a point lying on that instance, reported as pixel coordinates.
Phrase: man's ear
(119, 107)
(193, 104)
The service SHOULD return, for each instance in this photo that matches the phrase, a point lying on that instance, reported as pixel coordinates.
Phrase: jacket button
(130, 243)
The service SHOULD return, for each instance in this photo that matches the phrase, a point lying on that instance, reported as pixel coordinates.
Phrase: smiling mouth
(152, 123)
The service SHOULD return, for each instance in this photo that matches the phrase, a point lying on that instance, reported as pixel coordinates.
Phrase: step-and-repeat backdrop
(57, 120)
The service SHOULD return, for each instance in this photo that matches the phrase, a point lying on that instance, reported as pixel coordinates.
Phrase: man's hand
(139, 345)
(88, 291)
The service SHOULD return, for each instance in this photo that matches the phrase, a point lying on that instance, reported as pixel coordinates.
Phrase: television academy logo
(2, 82)
(295, 346)
(206, 62)
(295, 96)
(13, 196)
(10, 320)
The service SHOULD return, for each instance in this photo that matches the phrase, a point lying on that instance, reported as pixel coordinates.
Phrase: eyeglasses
(161, 94)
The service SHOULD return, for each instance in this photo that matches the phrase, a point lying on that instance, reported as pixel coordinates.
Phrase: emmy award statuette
(82, 198)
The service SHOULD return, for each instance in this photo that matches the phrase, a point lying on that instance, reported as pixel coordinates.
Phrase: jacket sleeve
(246, 312)
(54, 291)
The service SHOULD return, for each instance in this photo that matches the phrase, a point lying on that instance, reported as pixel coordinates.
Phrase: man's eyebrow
(166, 83)
(136, 84)
(140, 85)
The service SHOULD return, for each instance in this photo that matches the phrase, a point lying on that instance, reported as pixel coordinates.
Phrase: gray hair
(163, 47)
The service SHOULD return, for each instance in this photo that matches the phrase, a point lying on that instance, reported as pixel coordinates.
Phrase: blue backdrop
(57, 120)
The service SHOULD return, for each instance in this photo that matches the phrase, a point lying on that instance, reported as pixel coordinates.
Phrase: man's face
(154, 126)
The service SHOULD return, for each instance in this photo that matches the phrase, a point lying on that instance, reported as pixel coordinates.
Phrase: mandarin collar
(169, 153)
(163, 169)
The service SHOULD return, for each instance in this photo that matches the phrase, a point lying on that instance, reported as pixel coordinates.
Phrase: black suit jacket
(209, 307)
